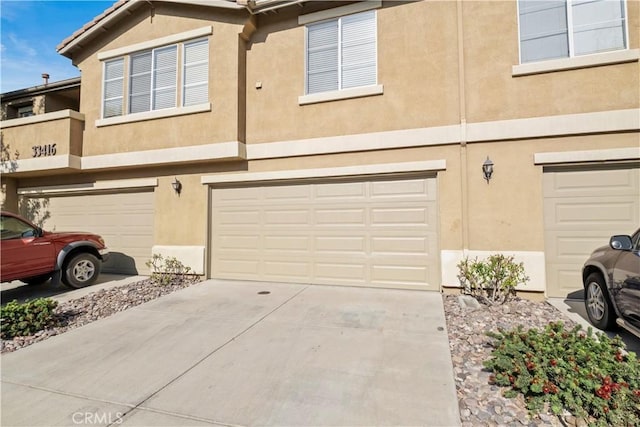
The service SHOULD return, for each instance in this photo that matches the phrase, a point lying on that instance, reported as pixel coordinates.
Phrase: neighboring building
(343, 142)
(46, 98)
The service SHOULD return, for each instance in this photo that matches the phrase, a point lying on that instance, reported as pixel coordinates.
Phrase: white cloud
(21, 46)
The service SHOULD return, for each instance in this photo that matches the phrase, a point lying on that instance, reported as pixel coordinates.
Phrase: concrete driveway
(229, 353)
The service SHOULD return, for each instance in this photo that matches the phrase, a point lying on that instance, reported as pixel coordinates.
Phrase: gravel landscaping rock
(98, 305)
(482, 404)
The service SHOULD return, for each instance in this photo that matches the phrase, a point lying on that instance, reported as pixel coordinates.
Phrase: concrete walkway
(226, 353)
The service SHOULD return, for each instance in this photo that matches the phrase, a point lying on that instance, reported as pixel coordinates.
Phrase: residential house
(343, 143)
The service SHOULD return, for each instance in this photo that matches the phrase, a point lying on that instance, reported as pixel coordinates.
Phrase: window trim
(557, 64)
(178, 109)
(338, 12)
(576, 62)
(154, 114)
(151, 44)
(334, 95)
(348, 93)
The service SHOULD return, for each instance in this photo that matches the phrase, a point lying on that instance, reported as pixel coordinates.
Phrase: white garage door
(357, 233)
(582, 209)
(124, 220)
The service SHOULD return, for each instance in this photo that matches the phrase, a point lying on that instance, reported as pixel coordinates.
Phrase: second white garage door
(380, 232)
(124, 220)
(582, 209)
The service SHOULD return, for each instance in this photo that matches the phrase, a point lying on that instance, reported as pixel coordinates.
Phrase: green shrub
(493, 280)
(22, 319)
(592, 377)
(165, 271)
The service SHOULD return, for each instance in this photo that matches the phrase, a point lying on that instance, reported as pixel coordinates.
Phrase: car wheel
(597, 303)
(82, 270)
(38, 280)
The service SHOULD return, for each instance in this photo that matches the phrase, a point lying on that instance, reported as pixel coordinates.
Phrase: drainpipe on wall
(464, 185)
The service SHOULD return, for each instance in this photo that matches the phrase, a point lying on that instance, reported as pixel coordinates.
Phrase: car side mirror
(621, 243)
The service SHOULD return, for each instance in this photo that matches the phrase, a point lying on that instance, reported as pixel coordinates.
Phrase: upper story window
(25, 111)
(341, 53)
(154, 80)
(567, 28)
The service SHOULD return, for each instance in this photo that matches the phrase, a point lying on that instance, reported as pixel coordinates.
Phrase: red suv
(32, 255)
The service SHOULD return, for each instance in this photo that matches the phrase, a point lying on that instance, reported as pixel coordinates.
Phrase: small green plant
(23, 319)
(165, 271)
(493, 280)
(592, 377)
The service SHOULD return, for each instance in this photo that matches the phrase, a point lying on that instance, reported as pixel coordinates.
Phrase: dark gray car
(611, 278)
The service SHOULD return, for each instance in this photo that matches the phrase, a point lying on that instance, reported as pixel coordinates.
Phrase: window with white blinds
(565, 28)
(113, 88)
(153, 79)
(196, 73)
(342, 53)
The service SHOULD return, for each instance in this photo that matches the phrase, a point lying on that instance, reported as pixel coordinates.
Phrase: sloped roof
(116, 11)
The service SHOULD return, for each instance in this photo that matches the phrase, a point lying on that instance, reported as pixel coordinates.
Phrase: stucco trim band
(384, 168)
(570, 124)
(605, 58)
(156, 114)
(534, 266)
(189, 256)
(150, 44)
(360, 142)
(49, 163)
(614, 154)
(90, 186)
(39, 118)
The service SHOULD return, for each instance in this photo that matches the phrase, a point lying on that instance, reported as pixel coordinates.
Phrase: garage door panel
(582, 209)
(403, 274)
(340, 191)
(417, 189)
(290, 217)
(592, 183)
(580, 213)
(340, 244)
(340, 217)
(339, 272)
(291, 242)
(352, 233)
(124, 220)
(400, 245)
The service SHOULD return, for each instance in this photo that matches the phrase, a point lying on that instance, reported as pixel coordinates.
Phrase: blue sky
(29, 34)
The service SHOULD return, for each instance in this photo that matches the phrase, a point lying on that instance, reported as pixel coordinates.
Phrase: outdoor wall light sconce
(487, 169)
(177, 186)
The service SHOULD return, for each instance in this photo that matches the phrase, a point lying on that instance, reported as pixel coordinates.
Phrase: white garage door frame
(132, 262)
(359, 174)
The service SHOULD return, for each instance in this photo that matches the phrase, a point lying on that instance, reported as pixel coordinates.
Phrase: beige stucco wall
(506, 214)
(66, 133)
(218, 125)
(417, 67)
(492, 93)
